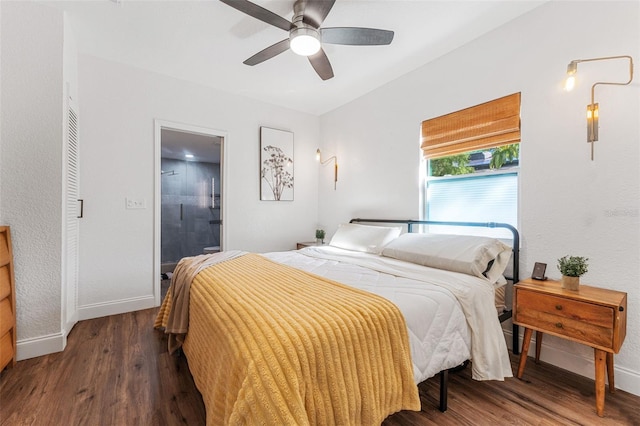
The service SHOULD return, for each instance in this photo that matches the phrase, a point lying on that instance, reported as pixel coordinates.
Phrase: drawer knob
(559, 307)
(559, 324)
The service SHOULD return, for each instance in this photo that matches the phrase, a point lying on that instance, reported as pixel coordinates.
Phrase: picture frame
(539, 270)
(276, 165)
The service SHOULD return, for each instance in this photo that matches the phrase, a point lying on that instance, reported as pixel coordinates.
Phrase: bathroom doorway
(189, 190)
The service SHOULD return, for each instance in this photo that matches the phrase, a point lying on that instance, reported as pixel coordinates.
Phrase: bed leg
(444, 381)
(516, 339)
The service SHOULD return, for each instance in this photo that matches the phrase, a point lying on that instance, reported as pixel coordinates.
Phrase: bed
(340, 334)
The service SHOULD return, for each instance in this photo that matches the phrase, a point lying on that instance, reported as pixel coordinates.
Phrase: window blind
(488, 125)
(478, 198)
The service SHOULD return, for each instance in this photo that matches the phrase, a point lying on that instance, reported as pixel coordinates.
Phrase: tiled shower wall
(189, 223)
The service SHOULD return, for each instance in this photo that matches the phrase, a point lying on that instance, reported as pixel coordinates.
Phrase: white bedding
(450, 316)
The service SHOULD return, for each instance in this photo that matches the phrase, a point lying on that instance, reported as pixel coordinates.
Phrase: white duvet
(450, 316)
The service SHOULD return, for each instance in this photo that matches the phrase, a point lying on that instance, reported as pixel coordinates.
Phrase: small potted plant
(572, 267)
(320, 234)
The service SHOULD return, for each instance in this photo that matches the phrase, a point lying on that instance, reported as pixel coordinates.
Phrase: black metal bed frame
(505, 315)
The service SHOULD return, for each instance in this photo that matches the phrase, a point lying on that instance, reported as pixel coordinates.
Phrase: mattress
(450, 316)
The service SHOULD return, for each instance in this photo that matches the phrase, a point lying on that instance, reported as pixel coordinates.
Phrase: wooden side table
(7, 301)
(307, 244)
(592, 316)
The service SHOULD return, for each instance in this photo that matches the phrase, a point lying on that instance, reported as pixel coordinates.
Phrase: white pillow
(470, 255)
(369, 239)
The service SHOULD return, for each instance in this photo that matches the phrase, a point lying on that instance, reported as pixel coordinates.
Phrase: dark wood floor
(116, 371)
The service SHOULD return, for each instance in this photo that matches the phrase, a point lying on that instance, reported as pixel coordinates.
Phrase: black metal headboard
(515, 258)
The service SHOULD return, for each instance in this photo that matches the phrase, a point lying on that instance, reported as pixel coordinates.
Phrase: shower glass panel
(190, 221)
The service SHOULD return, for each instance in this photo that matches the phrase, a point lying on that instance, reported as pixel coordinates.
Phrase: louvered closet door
(72, 207)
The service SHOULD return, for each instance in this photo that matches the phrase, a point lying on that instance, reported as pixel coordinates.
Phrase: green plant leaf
(573, 266)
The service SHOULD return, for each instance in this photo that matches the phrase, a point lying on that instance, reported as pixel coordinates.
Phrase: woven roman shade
(488, 125)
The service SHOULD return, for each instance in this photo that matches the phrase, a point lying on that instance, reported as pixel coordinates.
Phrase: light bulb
(569, 83)
(304, 41)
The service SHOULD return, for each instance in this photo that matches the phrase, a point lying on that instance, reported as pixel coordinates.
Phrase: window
(482, 195)
(472, 159)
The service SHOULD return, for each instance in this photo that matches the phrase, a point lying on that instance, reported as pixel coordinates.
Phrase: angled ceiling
(206, 42)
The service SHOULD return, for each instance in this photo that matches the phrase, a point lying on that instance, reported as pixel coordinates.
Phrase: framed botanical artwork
(276, 165)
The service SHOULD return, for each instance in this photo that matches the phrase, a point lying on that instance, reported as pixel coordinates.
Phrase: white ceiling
(205, 41)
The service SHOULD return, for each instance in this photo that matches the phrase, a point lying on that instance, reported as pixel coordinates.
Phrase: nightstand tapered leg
(600, 360)
(538, 345)
(612, 382)
(525, 348)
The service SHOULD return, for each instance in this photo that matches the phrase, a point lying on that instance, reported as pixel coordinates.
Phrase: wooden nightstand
(592, 316)
(307, 244)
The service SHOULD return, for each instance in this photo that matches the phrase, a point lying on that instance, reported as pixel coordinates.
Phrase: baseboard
(39, 346)
(116, 307)
(625, 379)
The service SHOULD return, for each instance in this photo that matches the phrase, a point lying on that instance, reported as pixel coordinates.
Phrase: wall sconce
(592, 108)
(335, 165)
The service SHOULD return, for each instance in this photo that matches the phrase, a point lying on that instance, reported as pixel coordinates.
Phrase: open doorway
(189, 196)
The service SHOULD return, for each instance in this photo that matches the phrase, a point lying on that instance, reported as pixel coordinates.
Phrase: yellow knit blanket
(274, 345)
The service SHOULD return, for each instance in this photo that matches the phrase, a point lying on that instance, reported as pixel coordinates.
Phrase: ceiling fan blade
(260, 13)
(315, 11)
(356, 36)
(321, 64)
(268, 53)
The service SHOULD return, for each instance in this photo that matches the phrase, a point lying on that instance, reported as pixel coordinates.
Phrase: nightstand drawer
(7, 319)
(6, 348)
(573, 309)
(5, 282)
(5, 256)
(585, 322)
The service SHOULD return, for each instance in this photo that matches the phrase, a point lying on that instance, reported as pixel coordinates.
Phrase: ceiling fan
(306, 35)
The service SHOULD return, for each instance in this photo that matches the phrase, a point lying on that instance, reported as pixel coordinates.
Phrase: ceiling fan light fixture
(306, 34)
(304, 41)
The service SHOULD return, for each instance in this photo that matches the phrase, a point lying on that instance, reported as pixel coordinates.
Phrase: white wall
(31, 168)
(118, 106)
(568, 203)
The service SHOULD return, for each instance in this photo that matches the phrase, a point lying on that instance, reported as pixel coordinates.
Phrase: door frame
(157, 186)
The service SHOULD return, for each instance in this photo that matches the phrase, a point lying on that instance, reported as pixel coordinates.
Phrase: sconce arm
(592, 108)
(335, 165)
(593, 88)
(333, 157)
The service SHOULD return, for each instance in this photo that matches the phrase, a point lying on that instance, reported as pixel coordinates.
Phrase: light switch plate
(135, 203)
